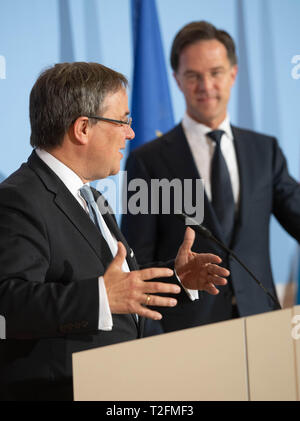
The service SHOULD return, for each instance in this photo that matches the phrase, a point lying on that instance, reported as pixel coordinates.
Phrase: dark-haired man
(245, 179)
(68, 279)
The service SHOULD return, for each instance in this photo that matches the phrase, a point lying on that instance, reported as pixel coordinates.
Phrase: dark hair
(200, 31)
(65, 92)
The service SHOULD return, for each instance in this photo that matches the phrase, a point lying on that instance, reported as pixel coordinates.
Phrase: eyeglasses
(110, 120)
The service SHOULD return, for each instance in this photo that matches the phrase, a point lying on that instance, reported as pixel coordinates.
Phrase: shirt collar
(190, 124)
(71, 180)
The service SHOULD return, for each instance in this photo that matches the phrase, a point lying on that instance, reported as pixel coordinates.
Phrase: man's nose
(205, 83)
(130, 135)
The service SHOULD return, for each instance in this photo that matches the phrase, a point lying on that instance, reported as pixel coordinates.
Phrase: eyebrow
(218, 68)
(190, 71)
(126, 114)
(211, 69)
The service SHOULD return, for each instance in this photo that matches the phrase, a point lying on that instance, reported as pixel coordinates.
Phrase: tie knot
(216, 135)
(87, 193)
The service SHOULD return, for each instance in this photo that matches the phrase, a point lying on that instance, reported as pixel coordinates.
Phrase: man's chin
(208, 116)
(115, 171)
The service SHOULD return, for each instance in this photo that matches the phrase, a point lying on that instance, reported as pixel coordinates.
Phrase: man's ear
(81, 129)
(177, 80)
(234, 72)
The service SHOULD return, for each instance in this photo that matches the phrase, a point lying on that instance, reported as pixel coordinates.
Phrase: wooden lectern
(252, 358)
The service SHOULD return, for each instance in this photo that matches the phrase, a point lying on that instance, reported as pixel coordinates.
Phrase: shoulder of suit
(21, 191)
(21, 180)
(251, 134)
(153, 145)
(23, 188)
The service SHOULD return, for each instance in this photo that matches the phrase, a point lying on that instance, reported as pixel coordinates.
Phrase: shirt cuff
(105, 321)
(193, 294)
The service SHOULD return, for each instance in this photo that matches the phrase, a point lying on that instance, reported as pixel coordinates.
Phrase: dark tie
(221, 189)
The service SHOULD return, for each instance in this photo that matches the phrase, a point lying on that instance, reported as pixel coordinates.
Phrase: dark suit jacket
(51, 255)
(265, 188)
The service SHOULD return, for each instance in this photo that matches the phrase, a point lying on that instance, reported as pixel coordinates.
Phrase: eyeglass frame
(110, 120)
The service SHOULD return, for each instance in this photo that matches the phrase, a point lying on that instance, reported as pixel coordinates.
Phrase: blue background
(37, 33)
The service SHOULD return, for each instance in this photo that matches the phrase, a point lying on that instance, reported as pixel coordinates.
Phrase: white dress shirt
(202, 148)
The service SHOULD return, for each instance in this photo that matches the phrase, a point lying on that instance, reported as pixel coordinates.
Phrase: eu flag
(152, 113)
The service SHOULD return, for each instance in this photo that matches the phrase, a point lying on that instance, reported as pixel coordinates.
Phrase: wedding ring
(148, 300)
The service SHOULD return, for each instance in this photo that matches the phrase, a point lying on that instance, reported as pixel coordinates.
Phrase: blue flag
(152, 113)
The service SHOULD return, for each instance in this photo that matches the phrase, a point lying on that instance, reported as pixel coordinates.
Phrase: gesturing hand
(128, 293)
(199, 271)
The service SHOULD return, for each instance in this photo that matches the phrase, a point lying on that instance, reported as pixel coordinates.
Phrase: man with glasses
(68, 279)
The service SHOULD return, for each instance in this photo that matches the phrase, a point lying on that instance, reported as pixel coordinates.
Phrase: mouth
(206, 99)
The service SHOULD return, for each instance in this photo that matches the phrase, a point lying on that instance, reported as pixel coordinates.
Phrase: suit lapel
(246, 176)
(182, 166)
(111, 222)
(72, 210)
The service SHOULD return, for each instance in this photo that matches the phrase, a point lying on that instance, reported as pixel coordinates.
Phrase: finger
(201, 260)
(152, 273)
(211, 289)
(218, 270)
(217, 280)
(150, 314)
(120, 256)
(160, 287)
(208, 258)
(188, 240)
(156, 300)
